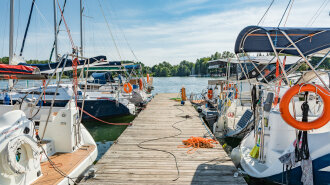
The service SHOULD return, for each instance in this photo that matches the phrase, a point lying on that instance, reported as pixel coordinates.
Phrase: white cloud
(186, 38)
(200, 36)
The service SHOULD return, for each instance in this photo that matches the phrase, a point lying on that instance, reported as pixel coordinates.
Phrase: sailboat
(97, 104)
(281, 148)
(57, 149)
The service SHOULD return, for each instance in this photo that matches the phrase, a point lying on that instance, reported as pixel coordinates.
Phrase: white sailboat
(57, 149)
(282, 149)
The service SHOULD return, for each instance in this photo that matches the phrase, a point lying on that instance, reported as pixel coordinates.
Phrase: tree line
(185, 68)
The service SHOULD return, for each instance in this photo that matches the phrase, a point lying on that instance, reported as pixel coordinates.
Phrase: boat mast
(27, 28)
(55, 35)
(81, 29)
(55, 31)
(11, 31)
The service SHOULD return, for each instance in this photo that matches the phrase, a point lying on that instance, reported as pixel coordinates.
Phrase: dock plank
(126, 163)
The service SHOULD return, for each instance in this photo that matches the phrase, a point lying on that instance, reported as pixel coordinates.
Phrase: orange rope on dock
(197, 142)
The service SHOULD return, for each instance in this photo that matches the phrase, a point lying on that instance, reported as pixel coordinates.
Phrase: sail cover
(48, 68)
(308, 40)
(18, 69)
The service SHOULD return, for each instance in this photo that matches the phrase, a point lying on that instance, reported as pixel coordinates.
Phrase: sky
(151, 31)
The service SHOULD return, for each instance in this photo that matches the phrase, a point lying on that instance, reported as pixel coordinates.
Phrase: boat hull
(98, 108)
(321, 173)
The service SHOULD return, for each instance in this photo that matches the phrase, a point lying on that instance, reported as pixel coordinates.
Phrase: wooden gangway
(140, 157)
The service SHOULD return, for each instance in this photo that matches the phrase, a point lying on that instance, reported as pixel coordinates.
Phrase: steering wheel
(24, 99)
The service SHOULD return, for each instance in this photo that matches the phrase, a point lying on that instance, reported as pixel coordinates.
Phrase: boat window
(46, 93)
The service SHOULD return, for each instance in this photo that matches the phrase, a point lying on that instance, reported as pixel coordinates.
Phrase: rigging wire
(317, 13)
(124, 35)
(102, 43)
(109, 29)
(57, 32)
(43, 17)
(67, 28)
(270, 5)
(287, 16)
(284, 14)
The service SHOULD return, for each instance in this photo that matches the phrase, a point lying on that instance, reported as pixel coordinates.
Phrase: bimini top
(308, 40)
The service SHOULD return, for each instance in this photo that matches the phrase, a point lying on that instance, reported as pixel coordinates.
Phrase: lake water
(174, 84)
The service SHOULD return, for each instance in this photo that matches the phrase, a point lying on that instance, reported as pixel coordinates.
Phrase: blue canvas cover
(136, 66)
(308, 40)
(50, 66)
(101, 78)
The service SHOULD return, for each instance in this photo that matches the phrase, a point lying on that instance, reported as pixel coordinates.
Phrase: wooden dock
(136, 157)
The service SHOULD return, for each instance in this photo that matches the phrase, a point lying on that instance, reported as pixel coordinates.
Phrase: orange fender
(210, 93)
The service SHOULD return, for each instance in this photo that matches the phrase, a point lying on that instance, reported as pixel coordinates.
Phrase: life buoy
(32, 152)
(148, 78)
(318, 123)
(128, 87)
(140, 83)
(210, 93)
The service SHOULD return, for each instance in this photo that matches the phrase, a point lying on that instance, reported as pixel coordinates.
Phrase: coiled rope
(197, 142)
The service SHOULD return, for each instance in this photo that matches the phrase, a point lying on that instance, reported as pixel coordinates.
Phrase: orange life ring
(141, 83)
(128, 87)
(148, 78)
(210, 93)
(318, 123)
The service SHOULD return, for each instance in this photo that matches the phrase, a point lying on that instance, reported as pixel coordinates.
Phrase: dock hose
(172, 136)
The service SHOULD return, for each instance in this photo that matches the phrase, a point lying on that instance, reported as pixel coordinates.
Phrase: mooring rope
(98, 119)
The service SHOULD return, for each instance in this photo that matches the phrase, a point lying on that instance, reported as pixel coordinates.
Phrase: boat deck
(66, 162)
(138, 157)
